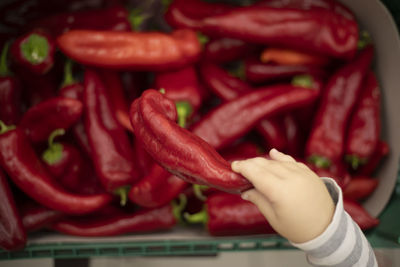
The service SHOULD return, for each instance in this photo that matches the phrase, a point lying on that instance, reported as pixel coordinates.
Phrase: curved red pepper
(294, 135)
(112, 18)
(146, 220)
(227, 214)
(10, 92)
(12, 232)
(222, 50)
(285, 56)
(181, 152)
(227, 122)
(327, 138)
(360, 187)
(382, 150)
(36, 217)
(157, 188)
(40, 121)
(357, 212)
(143, 159)
(327, 32)
(34, 51)
(112, 152)
(131, 50)
(365, 125)
(184, 88)
(20, 162)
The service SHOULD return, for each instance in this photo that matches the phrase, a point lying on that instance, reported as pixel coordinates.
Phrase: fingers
(279, 156)
(258, 199)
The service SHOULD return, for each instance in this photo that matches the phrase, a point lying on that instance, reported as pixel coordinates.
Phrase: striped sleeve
(343, 244)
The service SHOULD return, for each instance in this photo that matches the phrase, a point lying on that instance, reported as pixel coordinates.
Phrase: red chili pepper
(115, 91)
(328, 33)
(59, 112)
(289, 57)
(112, 18)
(382, 150)
(34, 51)
(229, 215)
(223, 50)
(12, 232)
(64, 162)
(326, 141)
(360, 187)
(19, 160)
(189, 13)
(294, 135)
(357, 212)
(146, 220)
(131, 50)
(241, 151)
(183, 87)
(143, 159)
(365, 125)
(10, 92)
(36, 217)
(178, 150)
(112, 153)
(227, 122)
(157, 188)
(73, 89)
(257, 72)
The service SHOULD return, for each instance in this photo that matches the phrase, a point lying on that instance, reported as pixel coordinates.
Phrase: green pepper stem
(53, 153)
(4, 71)
(35, 49)
(305, 81)
(5, 128)
(199, 217)
(122, 192)
(239, 71)
(179, 207)
(355, 161)
(136, 18)
(184, 110)
(364, 40)
(203, 39)
(319, 161)
(68, 77)
(198, 191)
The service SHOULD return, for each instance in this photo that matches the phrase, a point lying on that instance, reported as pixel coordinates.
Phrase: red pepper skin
(360, 187)
(229, 121)
(115, 91)
(12, 233)
(228, 87)
(58, 112)
(147, 220)
(34, 51)
(294, 135)
(19, 160)
(178, 150)
(36, 217)
(112, 153)
(143, 159)
(284, 56)
(111, 19)
(231, 215)
(364, 220)
(382, 150)
(287, 27)
(181, 85)
(157, 188)
(131, 50)
(222, 50)
(258, 72)
(341, 93)
(365, 124)
(241, 151)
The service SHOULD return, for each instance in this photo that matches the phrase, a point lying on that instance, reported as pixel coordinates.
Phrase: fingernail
(245, 196)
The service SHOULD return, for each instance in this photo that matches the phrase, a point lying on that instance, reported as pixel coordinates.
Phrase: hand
(294, 200)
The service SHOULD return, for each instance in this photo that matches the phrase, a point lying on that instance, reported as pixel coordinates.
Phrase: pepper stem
(364, 40)
(178, 207)
(203, 39)
(68, 77)
(5, 128)
(305, 81)
(122, 192)
(239, 71)
(198, 191)
(199, 217)
(53, 153)
(4, 71)
(319, 161)
(35, 49)
(184, 110)
(136, 18)
(355, 161)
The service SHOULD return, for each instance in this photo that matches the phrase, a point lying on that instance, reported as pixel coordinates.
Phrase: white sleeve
(342, 243)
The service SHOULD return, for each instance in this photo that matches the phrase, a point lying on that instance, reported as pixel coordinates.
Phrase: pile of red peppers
(108, 127)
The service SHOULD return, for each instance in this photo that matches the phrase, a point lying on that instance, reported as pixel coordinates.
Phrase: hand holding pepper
(294, 200)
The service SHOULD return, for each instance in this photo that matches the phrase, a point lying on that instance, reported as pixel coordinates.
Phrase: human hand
(294, 200)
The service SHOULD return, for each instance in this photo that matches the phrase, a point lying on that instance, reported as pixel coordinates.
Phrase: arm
(305, 209)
